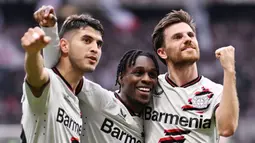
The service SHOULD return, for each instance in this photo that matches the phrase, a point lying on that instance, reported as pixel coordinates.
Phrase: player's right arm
(36, 75)
(46, 18)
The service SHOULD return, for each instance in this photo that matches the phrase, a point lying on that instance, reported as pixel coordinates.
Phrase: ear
(162, 53)
(64, 45)
(120, 79)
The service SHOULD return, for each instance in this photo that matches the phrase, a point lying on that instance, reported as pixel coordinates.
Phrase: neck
(131, 104)
(182, 74)
(70, 74)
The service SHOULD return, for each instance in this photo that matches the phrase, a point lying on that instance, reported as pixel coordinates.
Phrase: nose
(94, 47)
(187, 39)
(146, 79)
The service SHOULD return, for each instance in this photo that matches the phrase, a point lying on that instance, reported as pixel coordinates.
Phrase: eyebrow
(178, 33)
(175, 34)
(85, 35)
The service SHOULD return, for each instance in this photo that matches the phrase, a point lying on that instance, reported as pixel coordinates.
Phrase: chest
(64, 109)
(191, 108)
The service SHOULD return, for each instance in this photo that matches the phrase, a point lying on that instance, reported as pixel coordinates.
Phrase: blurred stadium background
(128, 25)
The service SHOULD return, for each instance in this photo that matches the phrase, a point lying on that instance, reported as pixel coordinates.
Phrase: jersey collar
(194, 81)
(132, 113)
(78, 88)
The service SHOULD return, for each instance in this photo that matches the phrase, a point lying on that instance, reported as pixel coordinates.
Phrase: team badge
(200, 101)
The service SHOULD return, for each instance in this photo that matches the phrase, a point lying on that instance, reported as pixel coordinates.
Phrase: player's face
(181, 45)
(140, 80)
(85, 49)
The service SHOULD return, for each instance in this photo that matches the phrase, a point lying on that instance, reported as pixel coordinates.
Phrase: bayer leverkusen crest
(200, 101)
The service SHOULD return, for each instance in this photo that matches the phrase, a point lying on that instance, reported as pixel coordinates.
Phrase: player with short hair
(50, 106)
(192, 108)
(114, 116)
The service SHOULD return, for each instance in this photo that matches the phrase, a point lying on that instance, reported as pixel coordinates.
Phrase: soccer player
(192, 108)
(113, 116)
(51, 112)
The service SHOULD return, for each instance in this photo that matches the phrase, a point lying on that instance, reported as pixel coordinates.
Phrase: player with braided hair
(129, 60)
(115, 116)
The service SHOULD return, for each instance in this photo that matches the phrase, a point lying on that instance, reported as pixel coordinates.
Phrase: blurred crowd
(236, 29)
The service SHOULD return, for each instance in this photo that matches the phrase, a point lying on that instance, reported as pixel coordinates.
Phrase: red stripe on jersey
(171, 139)
(175, 132)
(186, 107)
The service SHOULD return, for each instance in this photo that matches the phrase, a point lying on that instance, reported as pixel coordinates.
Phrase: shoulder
(162, 78)
(211, 84)
(90, 86)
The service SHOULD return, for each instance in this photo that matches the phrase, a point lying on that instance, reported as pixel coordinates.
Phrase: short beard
(79, 68)
(184, 62)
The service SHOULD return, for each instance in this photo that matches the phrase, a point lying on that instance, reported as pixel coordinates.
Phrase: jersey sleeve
(51, 52)
(36, 104)
(95, 95)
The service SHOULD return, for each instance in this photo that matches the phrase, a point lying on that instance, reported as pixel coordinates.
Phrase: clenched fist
(34, 40)
(226, 55)
(45, 16)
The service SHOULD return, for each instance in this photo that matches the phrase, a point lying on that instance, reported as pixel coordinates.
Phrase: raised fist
(34, 40)
(226, 55)
(45, 16)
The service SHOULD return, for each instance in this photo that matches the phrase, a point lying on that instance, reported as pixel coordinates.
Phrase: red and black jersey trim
(74, 140)
(191, 108)
(78, 88)
(132, 113)
(194, 81)
(170, 139)
(174, 132)
(174, 136)
(215, 108)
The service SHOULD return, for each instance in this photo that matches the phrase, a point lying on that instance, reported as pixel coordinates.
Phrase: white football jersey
(54, 117)
(105, 117)
(183, 114)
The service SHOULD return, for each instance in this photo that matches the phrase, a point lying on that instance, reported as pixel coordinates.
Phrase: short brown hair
(77, 21)
(171, 18)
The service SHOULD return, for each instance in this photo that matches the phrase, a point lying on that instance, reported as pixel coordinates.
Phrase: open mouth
(144, 89)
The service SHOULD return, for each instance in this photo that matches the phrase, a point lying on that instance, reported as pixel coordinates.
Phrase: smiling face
(139, 80)
(84, 48)
(180, 45)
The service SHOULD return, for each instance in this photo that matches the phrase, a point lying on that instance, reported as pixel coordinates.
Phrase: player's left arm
(45, 16)
(227, 113)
